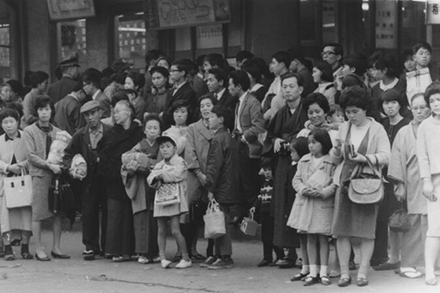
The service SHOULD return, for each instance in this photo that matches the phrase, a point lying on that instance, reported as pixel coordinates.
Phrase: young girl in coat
(172, 169)
(312, 212)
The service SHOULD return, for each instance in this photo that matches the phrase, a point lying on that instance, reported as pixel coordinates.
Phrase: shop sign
(70, 9)
(386, 20)
(165, 14)
(433, 12)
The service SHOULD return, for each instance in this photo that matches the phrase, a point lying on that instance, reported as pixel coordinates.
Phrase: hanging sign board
(70, 9)
(433, 12)
(165, 14)
(386, 28)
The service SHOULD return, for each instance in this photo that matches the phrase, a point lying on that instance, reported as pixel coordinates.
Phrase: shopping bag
(18, 191)
(167, 194)
(214, 221)
(248, 226)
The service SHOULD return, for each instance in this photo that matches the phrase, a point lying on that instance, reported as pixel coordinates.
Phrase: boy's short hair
(266, 163)
(357, 61)
(283, 57)
(224, 112)
(419, 45)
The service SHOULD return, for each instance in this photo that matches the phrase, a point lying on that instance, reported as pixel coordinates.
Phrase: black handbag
(61, 196)
(399, 221)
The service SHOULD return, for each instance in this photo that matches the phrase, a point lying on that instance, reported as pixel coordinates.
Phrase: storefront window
(132, 39)
(73, 38)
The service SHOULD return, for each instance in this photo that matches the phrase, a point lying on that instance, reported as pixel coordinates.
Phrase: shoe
(344, 282)
(176, 258)
(309, 281)
(183, 264)
(222, 263)
(431, 282)
(277, 262)
(144, 260)
(334, 274)
(352, 266)
(108, 256)
(387, 266)
(410, 273)
(155, 259)
(298, 277)
(27, 255)
(286, 264)
(361, 282)
(264, 263)
(121, 258)
(165, 263)
(16, 242)
(9, 257)
(60, 256)
(88, 255)
(46, 258)
(197, 257)
(325, 280)
(209, 261)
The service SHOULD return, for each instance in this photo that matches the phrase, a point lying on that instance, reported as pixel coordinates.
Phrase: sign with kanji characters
(433, 12)
(70, 9)
(386, 20)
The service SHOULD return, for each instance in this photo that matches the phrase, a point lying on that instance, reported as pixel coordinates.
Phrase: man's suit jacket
(185, 92)
(228, 101)
(251, 123)
(61, 88)
(105, 102)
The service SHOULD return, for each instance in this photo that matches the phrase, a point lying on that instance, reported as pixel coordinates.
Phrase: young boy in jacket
(219, 182)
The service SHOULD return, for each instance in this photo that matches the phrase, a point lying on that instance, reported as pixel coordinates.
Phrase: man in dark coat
(67, 110)
(283, 128)
(182, 90)
(61, 88)
(91, 79)
(217, 82)
(220, 182)
(93, 199)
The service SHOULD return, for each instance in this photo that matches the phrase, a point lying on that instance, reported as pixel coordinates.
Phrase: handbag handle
(362, 166)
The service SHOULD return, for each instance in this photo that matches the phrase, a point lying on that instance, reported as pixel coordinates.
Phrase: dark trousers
(267, 223)
(120, 229)
(248, 170)
(94, 225)
(223, 244)
(380, 253)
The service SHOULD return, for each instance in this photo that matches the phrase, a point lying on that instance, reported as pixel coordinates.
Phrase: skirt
(120, 230)
(40, 203)
(145, 230)
(14, 219)
(434, 210)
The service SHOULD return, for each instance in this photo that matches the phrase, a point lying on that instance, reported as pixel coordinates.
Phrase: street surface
(101, 275)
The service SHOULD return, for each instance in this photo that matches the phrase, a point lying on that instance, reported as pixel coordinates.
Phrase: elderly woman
(404, 171)
(123, 137)
(38, 138)
(12, 162)
(352, 220)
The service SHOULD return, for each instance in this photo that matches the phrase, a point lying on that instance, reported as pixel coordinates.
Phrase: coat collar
(203, 130)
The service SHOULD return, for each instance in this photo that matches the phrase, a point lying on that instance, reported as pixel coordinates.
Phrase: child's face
(152, 129)
(214, 121)
(337, 117)
(167, 150)
(294, 155)
(267, 173)
(410, 64)
(315, 147)
(422, 57)
(180, 116)
(6, 93)
(434, 104)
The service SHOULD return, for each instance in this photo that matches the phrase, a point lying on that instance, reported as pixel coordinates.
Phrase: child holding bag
(312, 212)
(170, 173)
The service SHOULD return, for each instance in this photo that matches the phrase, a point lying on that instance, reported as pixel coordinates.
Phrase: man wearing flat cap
(85, 142)
(61, 88)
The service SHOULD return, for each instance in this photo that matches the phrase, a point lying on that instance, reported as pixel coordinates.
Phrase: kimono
(284, 125)
(404, 168)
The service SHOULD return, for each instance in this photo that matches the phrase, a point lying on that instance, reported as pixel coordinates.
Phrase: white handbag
(18, 191)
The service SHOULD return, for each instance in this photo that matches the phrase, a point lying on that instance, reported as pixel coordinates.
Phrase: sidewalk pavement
(101, 275)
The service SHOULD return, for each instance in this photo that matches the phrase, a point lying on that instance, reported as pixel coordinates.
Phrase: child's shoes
(183, 264)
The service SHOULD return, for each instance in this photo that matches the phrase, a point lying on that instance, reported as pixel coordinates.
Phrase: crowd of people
(164, 146)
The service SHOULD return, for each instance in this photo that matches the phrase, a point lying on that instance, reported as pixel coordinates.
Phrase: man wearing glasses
(333, 54)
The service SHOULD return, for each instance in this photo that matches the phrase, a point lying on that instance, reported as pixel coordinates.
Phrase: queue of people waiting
(206, 132)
